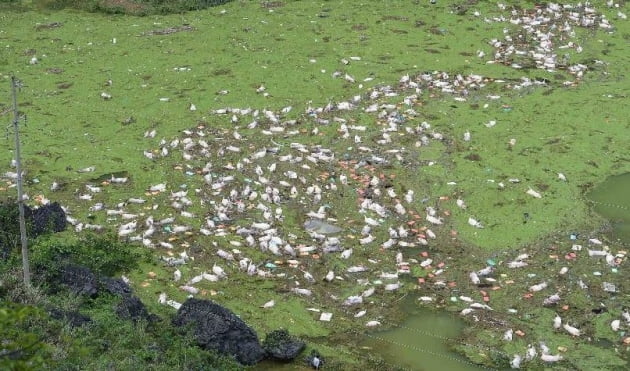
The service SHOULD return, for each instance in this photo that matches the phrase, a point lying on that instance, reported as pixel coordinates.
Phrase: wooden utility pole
(15, 84)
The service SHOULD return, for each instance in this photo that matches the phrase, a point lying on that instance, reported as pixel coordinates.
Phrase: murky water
(420, 343)
(611, 199)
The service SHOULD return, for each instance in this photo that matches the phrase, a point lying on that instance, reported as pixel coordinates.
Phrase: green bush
(20, 349)
(103, 254)
(9, 228)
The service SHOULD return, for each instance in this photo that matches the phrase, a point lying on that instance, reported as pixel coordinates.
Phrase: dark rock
(115, 286)
(131, 307)
(47, 218)
(217, 328)
(281, 346)
(79, 279)
(74, 319)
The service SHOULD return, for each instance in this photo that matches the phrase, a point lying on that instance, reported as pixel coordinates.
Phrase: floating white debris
(571, 330)
(614, 325)
(550, 358)
(325, 316)
(533, 193)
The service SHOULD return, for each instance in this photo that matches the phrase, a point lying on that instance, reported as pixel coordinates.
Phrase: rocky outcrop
(132, 308)
(217, 328)
(281, 346)
(47, 218)
(79, 280)
(115, 286)
(73, 318)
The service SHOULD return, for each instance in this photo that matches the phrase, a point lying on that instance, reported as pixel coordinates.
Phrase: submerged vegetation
(314, 165)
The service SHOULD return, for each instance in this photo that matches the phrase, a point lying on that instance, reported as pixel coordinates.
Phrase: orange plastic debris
(486, 299)
(424, 254)
(420, 280)
(452, 284)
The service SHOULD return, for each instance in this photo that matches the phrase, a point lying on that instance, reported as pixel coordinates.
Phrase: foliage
(20, 349)
(10, 231)
(104, 254)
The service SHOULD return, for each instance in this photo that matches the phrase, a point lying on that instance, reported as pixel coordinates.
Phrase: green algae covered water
(421, 342)
(611, 199)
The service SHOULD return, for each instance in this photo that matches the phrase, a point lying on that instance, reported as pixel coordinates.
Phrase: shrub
(103, 254)
(9, 229)
(20, 349)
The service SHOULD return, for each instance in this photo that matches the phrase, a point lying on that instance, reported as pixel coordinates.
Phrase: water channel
(421, 342)
(611, 199)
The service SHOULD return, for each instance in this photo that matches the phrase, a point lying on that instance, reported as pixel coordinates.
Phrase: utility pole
(15, 84)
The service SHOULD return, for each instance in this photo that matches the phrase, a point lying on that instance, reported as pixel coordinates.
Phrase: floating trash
(318, 226)
(609, 287)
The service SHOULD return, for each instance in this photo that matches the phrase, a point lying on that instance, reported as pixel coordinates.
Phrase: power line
(15, 85)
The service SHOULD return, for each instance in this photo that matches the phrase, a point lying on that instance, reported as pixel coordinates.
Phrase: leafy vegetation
(34, 339)
(20, 348)
(103, 254)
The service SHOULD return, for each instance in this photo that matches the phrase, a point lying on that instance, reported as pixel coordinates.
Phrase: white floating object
(173, 304)
(550, 358)
(533, 193)
(162, 298)
(538, 287)
(268, 304)
(475, 223)
(571, 330)
(614, 325)
(325, 316)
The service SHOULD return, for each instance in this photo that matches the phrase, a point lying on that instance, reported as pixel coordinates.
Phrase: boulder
(131, 307)
(79, 280)
(47, 218)
(115, 286)
(74, 319)
(217, 328)
(281, 346)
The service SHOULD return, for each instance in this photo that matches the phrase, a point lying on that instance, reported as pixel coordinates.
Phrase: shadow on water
(421, 342)
(610, 199)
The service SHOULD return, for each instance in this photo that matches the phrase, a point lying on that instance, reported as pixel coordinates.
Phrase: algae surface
(96, 87)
